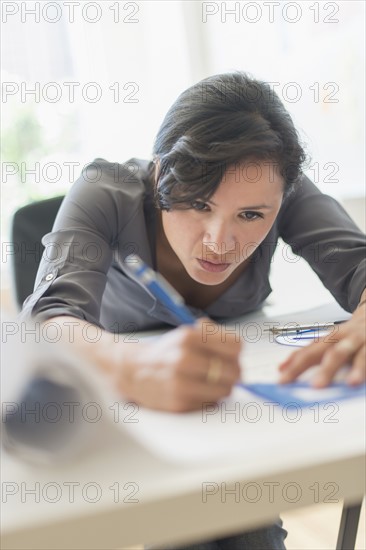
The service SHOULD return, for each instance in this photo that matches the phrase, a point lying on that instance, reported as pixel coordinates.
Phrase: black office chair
(29, 224)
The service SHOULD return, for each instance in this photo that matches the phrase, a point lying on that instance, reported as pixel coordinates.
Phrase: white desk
(162, 501)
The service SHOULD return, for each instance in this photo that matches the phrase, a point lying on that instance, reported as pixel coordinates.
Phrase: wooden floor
(316, 527)
(313, 528)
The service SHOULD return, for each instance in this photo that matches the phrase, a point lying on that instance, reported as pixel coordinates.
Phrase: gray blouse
(109, 213)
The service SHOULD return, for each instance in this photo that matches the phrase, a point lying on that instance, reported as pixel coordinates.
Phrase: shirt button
(49, 277)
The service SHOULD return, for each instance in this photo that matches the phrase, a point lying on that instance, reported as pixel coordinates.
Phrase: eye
(251, 216)
(200, 206)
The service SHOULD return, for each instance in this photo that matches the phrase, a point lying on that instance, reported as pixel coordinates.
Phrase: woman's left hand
(346, 345)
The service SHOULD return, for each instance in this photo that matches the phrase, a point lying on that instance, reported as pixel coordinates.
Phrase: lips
(214, 267)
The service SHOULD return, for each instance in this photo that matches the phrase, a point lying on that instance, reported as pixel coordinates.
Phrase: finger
(301, 360)
(287, 362)
(198, 366)
(333, 359)
(208, 340)
(323, 343)
(225, 341)
(192, 395)
(204, 391)
(358, 371)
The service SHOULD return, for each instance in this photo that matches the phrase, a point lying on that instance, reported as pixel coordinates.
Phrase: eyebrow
(256, 207)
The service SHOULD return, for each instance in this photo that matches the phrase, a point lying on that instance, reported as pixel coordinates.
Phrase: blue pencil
(160, 289)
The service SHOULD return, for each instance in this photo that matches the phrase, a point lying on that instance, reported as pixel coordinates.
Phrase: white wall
(158, 49)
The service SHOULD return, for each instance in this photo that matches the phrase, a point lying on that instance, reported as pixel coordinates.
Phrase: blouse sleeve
(318, 228)
(72, 275)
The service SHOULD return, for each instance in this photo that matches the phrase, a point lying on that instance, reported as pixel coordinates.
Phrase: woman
(224, 185)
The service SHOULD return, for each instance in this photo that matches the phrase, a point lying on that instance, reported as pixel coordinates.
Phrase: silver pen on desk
(303, 328)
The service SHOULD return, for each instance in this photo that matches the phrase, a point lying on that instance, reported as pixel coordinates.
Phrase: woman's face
(214, 237)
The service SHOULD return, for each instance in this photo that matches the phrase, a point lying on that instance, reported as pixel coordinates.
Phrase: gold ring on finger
(214, 370)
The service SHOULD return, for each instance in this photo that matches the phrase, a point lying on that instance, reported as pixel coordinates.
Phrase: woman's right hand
(180, 370)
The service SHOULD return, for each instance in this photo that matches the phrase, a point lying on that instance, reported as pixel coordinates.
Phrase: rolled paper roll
(38, 419)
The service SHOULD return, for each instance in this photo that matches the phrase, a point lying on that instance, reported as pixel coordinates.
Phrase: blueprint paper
(303, 394)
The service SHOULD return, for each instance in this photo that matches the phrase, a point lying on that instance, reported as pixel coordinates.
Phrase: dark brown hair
(218, 122)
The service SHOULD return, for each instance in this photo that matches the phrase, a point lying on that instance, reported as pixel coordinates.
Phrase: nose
(219, 237)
